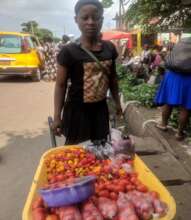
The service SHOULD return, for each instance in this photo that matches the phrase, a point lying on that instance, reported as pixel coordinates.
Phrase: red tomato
(113, 196)
(124, 182)
(52, 217)
(83, 161)
(133, 179)
(122, 187)
(52, 180)
(53, 210)
(94, 199)
(106, 184)
(130, 162)
(119, 188)
(130, 187)
(101, 186)
(106, 169)
(104, 193)
(154, 194)
(60, 177)
(111, 187)
(38, 203)
(116, 181)
(39, 214)
(142, 188)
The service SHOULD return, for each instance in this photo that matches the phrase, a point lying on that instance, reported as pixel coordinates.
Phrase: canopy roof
(115, 35)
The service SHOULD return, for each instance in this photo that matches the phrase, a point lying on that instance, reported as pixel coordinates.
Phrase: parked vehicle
(20, 54)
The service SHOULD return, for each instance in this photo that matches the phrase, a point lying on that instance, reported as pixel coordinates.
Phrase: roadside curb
(141, 127)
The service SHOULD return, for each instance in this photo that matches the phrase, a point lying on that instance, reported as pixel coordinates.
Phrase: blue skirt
(175, 89)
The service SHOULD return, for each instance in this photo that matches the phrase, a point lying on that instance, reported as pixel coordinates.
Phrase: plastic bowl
(79, 191)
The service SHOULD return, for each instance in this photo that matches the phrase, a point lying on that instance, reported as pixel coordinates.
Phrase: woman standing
(50, 58)
(85, 113)
(175, 88)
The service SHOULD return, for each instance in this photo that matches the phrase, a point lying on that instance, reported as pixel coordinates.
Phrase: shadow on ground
(15, 79)
(18, 162)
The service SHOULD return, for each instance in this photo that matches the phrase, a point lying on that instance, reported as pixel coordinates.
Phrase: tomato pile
(77, 162)
(116, 184)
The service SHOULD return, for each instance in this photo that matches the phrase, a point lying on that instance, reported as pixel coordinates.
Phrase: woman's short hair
(81, 3)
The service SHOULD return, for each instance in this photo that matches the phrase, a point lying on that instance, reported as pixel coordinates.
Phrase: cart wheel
(52, 136)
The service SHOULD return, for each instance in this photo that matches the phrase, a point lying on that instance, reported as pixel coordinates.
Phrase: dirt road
(24, 107)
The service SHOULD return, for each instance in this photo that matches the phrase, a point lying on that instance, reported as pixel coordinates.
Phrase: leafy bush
(135, 89)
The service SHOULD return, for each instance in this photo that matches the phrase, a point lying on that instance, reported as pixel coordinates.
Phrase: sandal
(180, 137)
(161, 127)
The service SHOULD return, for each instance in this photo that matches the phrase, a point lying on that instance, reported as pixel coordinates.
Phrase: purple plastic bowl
(82, 189)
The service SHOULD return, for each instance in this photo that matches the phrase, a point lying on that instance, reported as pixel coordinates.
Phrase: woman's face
(89, 20)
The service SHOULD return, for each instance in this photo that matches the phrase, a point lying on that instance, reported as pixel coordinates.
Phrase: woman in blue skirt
(175, 90)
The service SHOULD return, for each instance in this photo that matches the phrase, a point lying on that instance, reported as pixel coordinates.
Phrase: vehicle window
(30, 42)
(10, 44)
(33, 43)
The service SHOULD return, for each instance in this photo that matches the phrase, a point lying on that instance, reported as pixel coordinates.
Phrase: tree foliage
(43, 32)
(30, 26)
(33, 28)
(107, 3)
(159, 14)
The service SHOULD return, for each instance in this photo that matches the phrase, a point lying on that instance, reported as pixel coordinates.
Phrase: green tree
(56, 39)
(159, 14)
(33, 28)
(43, 32)
(30, 27)
(107, 3)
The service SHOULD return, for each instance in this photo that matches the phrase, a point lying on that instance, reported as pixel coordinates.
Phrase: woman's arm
(113, 85)
(59, 97)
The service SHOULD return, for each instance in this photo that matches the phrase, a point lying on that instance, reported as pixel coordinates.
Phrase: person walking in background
(146, 54)
(175, 88)
(50, 58)
(157, 59)
(156, 66)
(90, 65)
(60, 45)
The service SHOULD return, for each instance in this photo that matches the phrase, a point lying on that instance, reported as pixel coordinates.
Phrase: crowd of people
(49, 50)
(150, 64)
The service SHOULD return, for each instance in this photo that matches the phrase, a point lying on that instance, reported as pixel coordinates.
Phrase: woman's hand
(119, 111)
(56, 127)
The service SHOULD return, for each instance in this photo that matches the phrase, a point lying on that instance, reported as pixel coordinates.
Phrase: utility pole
(120, 14)
(32, 29)
(64, 29)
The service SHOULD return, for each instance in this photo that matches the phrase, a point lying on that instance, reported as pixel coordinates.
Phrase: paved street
(24, 137)
(24, 107)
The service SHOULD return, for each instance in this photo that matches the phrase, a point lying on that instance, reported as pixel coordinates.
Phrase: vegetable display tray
(145, 175)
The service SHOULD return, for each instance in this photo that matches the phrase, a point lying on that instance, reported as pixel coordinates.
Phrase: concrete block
(166, 167)
(147, 144)
(182, 196)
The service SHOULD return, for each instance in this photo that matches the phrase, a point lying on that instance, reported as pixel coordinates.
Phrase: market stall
(77, 182)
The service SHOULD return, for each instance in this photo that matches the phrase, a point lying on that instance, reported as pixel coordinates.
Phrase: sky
(56, 15)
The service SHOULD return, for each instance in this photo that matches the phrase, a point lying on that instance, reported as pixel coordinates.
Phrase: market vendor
(90, 65)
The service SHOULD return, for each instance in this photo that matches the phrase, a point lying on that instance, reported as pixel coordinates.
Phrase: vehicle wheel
(37, 75)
